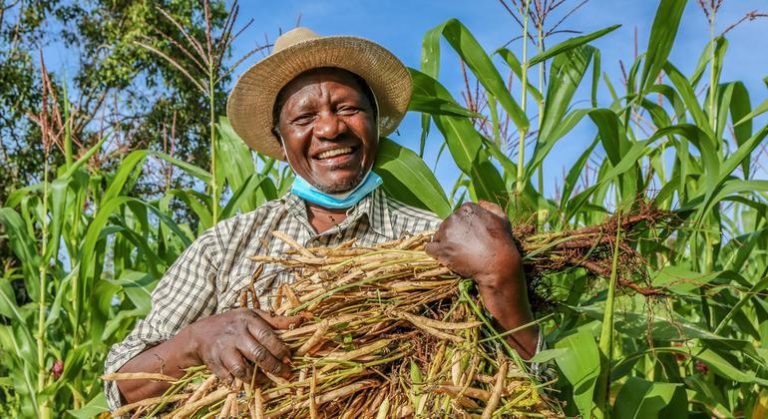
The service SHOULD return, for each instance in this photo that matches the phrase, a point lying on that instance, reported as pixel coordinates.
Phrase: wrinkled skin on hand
(476, 242)
(231, 343)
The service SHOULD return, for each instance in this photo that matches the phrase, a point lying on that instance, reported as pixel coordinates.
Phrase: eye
(348, 110)
(303, 119)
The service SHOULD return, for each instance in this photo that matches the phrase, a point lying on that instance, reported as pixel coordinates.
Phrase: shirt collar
(374, 207)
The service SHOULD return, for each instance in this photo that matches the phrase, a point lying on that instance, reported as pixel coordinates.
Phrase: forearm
(171, 358)
(506, 299)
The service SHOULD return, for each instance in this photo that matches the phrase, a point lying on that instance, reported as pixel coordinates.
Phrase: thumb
(280, 322)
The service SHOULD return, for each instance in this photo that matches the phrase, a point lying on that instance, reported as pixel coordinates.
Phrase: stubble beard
(341, 187)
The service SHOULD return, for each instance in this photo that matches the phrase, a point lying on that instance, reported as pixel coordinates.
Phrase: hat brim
(251, 101)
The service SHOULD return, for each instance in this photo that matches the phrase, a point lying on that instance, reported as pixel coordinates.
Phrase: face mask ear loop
(378, 114)
(282, 143)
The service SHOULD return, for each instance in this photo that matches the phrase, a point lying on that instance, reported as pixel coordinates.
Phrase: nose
(328, 126)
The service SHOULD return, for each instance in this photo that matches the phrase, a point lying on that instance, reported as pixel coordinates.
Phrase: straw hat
(250, 104)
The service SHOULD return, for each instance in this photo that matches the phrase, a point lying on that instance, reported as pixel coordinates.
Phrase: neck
(323, 219)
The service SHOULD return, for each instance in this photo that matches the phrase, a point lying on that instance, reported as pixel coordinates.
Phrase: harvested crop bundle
(389, 333)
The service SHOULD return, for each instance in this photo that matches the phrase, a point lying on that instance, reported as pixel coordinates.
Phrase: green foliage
(698, 348)
(147, 99)
(87, 246)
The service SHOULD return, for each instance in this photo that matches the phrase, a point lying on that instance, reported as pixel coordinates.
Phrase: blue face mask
(306, 191)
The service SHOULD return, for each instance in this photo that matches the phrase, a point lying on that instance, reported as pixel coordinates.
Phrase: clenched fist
(476, 242)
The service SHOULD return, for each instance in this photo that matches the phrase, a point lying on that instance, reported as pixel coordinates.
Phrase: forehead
(314, 78)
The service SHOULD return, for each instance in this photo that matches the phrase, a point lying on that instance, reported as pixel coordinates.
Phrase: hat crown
(292, 37)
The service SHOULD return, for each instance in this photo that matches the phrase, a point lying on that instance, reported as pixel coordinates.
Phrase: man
(320, 103)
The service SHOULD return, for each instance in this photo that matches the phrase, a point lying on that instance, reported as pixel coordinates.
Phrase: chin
(341, 185)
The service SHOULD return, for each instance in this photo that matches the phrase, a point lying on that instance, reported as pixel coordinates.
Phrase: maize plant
(684, 334)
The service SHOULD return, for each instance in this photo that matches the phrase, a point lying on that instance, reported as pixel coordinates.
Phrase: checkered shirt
(208, 277)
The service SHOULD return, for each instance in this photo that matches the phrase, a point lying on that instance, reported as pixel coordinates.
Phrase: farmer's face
(328, 129)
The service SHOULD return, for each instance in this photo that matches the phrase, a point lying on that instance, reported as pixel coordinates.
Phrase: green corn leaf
(759, 110)
(580, 366)
(92, 409)
(514, 64)
(569, 185)
(234, 157)
(595, 77)
(58, 210)
(241, 198)
(714, 192)
(717, 363)
(701, 66)
(198, 203)
(473, 54)
(628, 161)
(8, 307)
(640, 398)
(686, 92)
(423, 100)
(612, 134)
(740, 106)
(437, 106)
(487, 184)
(190, 169)
(24, 358)
(85, 157)
(465, 145)
(95, 234)
(21, 242)
(662, 326)
(408, 179)
(128, 173)
(138, 288)
(663, 33)
(566, 74)
(570, 44)
(658, 113)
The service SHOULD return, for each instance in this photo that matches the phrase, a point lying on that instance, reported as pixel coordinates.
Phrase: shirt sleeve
(186, 292)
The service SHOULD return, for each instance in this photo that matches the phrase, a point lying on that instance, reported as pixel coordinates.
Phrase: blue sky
(400, 26)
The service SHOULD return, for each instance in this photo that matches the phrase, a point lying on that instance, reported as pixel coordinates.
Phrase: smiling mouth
(335, 153)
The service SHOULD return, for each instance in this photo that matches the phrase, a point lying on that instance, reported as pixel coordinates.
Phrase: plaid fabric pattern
(207, 278)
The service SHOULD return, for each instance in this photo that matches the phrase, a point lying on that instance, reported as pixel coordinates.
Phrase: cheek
(366, 130)
(295, 145)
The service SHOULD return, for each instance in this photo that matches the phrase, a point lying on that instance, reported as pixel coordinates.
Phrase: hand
(476, 242)
(227, 342)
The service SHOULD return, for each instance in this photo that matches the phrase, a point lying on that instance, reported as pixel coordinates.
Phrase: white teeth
(334, 152)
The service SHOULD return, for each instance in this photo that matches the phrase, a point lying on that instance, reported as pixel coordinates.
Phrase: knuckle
(259, 353)
(237, 369)
(262, 334)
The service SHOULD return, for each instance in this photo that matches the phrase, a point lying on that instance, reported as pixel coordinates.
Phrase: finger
(234, 362)
(492, 208)
(280, 322)
(263, 333)
(220, 371)
(258, 354)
